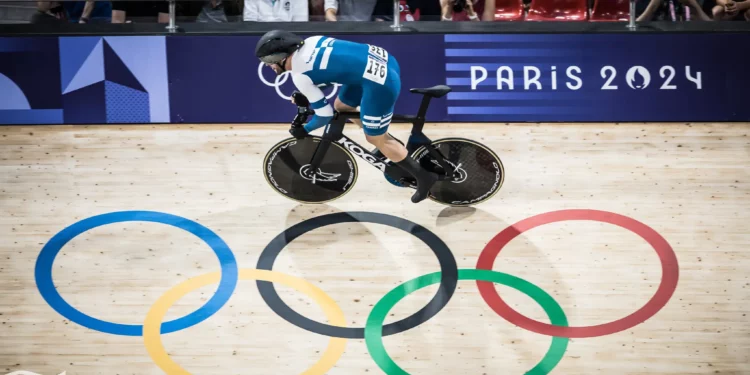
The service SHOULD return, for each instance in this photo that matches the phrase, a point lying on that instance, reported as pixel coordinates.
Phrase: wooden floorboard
(688, 183)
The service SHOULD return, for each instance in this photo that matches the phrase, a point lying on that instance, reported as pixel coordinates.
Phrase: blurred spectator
(656, 10)
(729, 10)
(467, 10)
(49, 12)
(693, 7)
(317, 10)
(276, 11)
(384, 11)
(124, 11)
(88, 11)
(673, 10)
(349, 10)
(212, 11)
(428, 10)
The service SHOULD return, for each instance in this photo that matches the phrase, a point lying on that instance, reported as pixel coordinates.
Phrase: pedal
(408, 184)
(393, 181)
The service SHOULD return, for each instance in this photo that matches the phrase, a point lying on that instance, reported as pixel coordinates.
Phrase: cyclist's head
(276, 46)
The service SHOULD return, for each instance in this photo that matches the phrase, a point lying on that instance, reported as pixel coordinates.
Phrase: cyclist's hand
(299, 99)
(298, 132)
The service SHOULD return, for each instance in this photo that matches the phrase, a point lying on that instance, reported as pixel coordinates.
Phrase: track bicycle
(321, 169)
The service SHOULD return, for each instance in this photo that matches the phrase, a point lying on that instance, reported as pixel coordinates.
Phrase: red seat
(611, 10)
(508, 10)
(558, 10)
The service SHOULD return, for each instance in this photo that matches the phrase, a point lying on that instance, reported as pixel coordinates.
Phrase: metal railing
(631, 24)
(396, 15)
(172, 27)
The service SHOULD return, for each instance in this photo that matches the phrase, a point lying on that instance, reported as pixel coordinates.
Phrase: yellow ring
(155, 316)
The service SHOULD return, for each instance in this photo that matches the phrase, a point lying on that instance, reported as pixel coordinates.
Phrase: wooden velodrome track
(684, 187)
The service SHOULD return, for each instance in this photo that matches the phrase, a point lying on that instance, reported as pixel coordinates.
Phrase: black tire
(284, 168)
(480, 176)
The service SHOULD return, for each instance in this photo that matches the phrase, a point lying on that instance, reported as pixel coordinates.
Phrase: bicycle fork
(333, 131)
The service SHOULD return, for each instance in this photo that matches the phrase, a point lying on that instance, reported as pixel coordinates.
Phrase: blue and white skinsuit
(369, 76)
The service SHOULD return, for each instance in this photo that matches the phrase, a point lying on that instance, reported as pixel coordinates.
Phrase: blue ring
(43, 271)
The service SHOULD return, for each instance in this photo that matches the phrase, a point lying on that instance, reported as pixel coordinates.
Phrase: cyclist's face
(276, 68)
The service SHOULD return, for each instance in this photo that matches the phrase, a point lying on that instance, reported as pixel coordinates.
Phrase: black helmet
(277, 45)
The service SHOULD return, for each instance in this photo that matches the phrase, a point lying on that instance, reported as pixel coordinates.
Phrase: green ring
(374, 326)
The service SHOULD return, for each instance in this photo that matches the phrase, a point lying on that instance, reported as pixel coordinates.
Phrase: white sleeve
(332, 4)
(251, 11)
(314, 94)
(300, 12)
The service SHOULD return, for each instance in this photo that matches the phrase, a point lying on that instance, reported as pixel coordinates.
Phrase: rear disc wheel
(477, 172)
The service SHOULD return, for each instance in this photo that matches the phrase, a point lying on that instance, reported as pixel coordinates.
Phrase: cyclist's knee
(339, 106)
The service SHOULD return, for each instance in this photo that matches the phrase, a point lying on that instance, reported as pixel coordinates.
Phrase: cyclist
(369, 77)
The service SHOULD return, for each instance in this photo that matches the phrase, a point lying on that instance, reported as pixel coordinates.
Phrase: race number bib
(379, 52)
(376, 71)
(377, 65)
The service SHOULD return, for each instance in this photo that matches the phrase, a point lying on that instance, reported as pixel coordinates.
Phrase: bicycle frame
(334, 133)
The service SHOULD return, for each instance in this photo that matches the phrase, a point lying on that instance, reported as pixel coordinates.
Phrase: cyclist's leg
(376, 112)
(349, 98)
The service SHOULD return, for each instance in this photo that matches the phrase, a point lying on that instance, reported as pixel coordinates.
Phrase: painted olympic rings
(152, 324)
(43, 271)
(374, 339)
(669, 267)
(374, 331)
(449, 273)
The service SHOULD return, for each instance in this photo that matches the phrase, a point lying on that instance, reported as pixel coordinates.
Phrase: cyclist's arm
(323, 110)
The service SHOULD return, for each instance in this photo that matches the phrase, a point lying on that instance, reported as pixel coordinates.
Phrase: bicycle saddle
(434, 91)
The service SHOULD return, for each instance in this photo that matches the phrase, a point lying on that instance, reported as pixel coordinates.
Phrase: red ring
(669, 268)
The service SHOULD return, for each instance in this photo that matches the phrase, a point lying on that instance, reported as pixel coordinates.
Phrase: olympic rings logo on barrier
(282, 78)
(374, 329)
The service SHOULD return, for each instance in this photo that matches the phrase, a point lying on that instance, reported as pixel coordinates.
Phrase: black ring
(448, 268)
